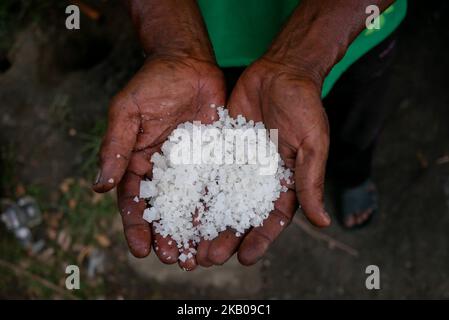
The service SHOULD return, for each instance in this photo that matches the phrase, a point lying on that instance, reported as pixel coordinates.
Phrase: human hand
(286, 99)
(167, 91)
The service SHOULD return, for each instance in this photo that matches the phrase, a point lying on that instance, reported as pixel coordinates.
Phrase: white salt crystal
(281, 222)
(147, 189)
(136, 199)
(111, 180)
(216, 197)
(150, 214)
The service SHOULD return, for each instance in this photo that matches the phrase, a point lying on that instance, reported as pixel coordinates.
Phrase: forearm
(318, 34)
(172, 27)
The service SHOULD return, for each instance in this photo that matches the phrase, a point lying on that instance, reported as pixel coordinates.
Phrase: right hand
(167, 91)
(286, 99)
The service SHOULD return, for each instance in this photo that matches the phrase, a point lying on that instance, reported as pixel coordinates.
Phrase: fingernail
(326, 217)
(97, 179)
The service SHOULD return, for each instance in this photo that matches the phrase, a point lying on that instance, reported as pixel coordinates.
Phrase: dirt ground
(54, 89)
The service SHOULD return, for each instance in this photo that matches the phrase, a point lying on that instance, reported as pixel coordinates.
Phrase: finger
(188, 258)
(165, 248)
(118, 143)
(212, 99)
(207, 114)
(202, 247)
(223, 247)
(243, 101)
(140, 162)
(213, 92)
(153, 134)
(202, 254)
(310, 173)
(137, 230)
(258, 240)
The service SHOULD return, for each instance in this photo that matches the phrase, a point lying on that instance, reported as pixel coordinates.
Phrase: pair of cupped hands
(171, 89)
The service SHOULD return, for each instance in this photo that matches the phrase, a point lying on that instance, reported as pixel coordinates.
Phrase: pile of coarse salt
(190, 200)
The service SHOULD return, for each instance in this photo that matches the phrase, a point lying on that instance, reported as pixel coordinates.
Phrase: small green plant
(91, 146)
(86, 214)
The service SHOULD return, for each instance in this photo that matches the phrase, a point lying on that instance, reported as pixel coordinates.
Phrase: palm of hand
(272, 93)
(163, 94)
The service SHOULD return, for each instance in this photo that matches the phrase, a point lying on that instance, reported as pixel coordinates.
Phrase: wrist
(310, 54)
(302, 66)
(171, 28)
(180, 53)
(318, 34)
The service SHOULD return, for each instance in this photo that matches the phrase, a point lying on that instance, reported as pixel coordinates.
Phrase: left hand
(167, 90)
(286, 99)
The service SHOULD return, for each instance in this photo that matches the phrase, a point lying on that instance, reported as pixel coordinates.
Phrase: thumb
(310, 173)
(245, 101)
(216, 95)
(118, 143)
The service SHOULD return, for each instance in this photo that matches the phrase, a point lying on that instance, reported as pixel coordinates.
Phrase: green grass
(81, 222)
(83, 219)
(84, 215)
(91, 147)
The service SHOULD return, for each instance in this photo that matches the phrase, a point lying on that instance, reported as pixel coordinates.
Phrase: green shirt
(242, 30)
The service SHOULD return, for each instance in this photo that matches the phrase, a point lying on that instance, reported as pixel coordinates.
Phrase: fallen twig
(50, 285)
(88, 10)
(332, 243)
(443, 159)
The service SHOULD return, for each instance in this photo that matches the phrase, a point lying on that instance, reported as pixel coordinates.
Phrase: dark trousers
(355, 114)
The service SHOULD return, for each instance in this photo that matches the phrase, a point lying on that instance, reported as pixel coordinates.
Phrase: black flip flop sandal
(358, 199)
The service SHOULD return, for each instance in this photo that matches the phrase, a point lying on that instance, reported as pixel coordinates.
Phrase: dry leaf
(103, 240)
(64, 240)
(65, 185)
(84, 252)
(51, 234)
(20, 190)
(72, 132)
(97, 197)
(53, 219)
(72, 203)
(83, 182)
(46, 254)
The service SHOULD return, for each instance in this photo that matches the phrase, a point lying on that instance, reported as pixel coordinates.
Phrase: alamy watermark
(373, 280)
(211, 146)
(72, 22)
(373, 19)
(72, 281)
